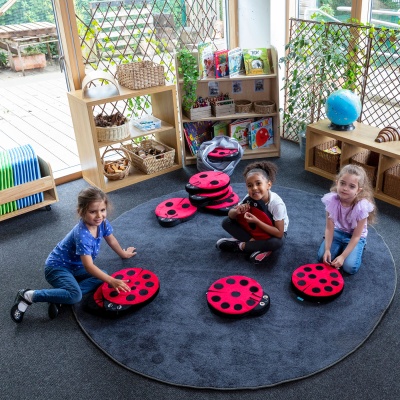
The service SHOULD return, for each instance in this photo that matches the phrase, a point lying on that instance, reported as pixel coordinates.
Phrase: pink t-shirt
(346, 218)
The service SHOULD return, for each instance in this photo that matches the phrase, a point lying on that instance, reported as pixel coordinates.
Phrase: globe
(342, 107)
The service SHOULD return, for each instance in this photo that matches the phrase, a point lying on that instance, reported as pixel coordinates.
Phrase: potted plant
(189, 72)
(31, 58)
(320, 59)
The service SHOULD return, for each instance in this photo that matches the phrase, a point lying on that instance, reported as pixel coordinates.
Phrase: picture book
(261, 133)
(196, 133)
(221, 64)
(256, 61)
(206, 60)
(220, 128)
(239, 130)
(235, 62)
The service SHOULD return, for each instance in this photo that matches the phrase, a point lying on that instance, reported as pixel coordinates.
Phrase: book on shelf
(206, 60)
(257, 61)
(196, 133)
(239, 130)
(235, 62)
(261, 133)
(221, 64)
(220, 128)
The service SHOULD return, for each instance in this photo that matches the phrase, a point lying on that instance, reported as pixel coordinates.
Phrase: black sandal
(16, 314)
(53, 310)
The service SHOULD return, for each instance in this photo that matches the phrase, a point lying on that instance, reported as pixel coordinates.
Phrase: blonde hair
(363, 182)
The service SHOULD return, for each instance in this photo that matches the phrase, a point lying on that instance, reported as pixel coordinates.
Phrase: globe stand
(335, 127)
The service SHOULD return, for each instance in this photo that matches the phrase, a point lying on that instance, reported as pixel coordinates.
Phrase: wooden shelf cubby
(164, 107)
(353, 142)
(270, 92)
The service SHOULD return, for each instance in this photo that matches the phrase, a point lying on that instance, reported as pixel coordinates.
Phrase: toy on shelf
(388, 134)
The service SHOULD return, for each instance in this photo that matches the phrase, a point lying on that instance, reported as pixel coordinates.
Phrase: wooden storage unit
(45, 184)
(351, 143)
(270, 92)
(164, 107)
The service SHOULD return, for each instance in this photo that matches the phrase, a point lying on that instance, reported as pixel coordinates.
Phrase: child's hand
(120, 285)
(250, 218)
(337, 262)
(129, 252)
(242, 208)
(327, 257)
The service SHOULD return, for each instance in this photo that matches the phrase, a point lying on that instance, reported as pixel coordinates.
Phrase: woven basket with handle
(142, 159)
(140, 75)
(115, 169)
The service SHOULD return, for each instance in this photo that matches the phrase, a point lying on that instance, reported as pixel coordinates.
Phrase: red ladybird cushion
(220, 154)
(203, 199)
(259, 210)
(144, 286)
(174, 211)
(237, 295)
(207, 181)
(317, 281)
(225, 203)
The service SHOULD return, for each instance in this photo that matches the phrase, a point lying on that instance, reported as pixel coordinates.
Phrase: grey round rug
(177, 340)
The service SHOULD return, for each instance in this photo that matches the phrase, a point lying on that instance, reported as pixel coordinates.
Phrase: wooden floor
(34, 109)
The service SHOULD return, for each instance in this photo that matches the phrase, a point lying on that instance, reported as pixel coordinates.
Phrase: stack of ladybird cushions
(209, 190)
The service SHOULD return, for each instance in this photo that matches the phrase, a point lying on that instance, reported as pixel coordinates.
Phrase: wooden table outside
(15, 37)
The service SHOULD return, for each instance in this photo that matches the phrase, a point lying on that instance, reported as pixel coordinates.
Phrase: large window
(385, 13)
(325, 10)
(381, 13)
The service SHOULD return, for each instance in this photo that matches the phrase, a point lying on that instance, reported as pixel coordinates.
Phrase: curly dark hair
(268, 167)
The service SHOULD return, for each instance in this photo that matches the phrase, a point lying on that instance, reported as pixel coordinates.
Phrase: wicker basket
(391, 182)
(243, 106)
(223, 107)
(113, 132)
(140, 75)
(150, 164)
(264, 107)
(123, 161)
(326, 161)
(369, 161)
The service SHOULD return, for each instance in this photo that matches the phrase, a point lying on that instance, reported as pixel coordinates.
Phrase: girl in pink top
(349, 206)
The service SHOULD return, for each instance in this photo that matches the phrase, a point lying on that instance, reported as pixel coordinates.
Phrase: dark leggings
(271, 244)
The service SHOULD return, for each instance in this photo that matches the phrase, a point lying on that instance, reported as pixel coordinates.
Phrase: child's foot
(53, 310)
(228, 244)
(20, 306)
(258, 256)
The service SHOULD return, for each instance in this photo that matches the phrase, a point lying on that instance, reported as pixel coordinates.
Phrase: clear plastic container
(147, 123)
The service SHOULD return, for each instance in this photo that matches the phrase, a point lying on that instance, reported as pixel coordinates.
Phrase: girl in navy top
(70, 267)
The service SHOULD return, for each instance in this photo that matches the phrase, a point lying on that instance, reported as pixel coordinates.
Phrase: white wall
(262, 23)
(254, 23)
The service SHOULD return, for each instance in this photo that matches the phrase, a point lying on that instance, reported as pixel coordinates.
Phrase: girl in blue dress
(349, 206)
(70, 267)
